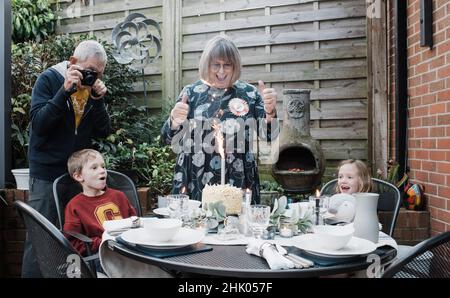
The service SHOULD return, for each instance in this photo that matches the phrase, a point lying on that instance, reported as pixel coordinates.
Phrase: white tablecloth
(115, 265)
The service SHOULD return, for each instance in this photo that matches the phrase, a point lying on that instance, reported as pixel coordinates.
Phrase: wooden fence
(319, 45)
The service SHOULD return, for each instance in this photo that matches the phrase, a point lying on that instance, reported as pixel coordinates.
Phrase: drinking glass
(258, 219)
(178, 205)
(323, 201)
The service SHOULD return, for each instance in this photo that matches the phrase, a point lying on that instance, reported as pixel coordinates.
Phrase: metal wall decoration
(135, 44)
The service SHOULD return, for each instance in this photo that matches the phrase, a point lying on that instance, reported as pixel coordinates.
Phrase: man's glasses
(217, 66)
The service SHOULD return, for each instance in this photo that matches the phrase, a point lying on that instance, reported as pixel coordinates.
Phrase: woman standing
(219, 112)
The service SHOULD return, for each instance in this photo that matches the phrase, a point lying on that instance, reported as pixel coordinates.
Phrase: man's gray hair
(90, 48)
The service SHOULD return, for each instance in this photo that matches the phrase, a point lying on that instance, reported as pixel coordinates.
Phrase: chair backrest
(389, 201)
(428, 259)
(55, 255)
(65, 188)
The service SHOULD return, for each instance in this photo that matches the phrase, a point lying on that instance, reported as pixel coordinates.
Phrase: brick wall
(429, 108)
(12, 234)
(412, 226)
(12, 231)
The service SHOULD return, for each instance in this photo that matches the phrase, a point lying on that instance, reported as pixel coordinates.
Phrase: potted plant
(269, 190)
(19, 139)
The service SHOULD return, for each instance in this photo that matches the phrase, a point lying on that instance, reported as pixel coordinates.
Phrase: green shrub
(266, 185)
(31, 20)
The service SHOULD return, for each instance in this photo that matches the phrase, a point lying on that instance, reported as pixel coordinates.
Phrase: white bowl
(333, 237)
(162, 229)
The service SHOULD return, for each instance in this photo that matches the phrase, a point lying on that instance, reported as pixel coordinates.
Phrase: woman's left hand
(269, 96)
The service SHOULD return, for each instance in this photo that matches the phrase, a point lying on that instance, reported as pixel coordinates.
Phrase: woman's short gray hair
(90, 48)
(223, 48)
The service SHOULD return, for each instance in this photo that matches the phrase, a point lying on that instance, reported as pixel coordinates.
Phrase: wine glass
(177, 205)
(258, 219)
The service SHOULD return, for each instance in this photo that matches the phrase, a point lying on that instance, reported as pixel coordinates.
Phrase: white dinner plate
(184, 237)
(355, 247)
(161, 211)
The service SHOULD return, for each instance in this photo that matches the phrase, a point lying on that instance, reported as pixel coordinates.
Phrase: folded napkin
(268, 251)
(385, 239)
(121, 225)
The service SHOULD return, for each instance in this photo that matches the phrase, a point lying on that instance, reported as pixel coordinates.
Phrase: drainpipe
(401, 86)
(5, 92)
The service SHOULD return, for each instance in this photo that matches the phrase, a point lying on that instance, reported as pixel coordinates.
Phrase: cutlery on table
(299, 262)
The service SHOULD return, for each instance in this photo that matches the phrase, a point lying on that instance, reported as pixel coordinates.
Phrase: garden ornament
(135, 44)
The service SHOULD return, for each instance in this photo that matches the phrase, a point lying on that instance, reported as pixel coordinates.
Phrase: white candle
(286, 232)
(248, 197)
(222, 171)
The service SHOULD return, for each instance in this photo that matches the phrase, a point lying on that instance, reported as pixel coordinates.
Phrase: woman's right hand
(179, 112)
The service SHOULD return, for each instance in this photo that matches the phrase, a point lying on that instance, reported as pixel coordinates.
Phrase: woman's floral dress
(240, 112)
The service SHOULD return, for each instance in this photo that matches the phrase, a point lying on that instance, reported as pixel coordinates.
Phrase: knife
(307, 262)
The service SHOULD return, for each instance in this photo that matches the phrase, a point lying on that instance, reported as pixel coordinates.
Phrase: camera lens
(89, 77)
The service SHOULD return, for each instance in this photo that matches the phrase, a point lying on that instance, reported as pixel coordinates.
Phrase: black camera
(89, 77)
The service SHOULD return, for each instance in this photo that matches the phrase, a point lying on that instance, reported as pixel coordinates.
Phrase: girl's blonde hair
(365, 179)
(223, 48)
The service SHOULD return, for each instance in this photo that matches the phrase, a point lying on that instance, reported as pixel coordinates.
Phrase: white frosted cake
(230, 196)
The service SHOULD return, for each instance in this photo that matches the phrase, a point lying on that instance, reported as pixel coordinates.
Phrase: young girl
(353, 176)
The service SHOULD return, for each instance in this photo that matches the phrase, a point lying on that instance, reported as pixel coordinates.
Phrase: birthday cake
(230, 196)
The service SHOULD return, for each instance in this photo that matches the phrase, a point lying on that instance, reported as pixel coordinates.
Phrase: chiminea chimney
(301, 163)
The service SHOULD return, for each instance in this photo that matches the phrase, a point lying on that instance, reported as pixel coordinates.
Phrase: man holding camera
(67, 111)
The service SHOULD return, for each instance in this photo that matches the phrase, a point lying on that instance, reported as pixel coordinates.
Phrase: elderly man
(67, 111)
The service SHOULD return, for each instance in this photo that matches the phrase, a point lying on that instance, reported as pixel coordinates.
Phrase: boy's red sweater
(85, 215)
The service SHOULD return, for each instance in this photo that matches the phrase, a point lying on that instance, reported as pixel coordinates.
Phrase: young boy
(87, 211)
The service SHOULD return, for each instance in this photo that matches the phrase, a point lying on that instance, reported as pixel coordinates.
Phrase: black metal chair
(65, 188)
(428, 259)
(389, 201)
(55, 255)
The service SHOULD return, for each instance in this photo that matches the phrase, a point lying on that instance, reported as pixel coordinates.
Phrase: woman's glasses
(217, 66)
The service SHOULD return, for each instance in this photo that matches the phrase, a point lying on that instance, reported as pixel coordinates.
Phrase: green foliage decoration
(278, 215)
(216, 210)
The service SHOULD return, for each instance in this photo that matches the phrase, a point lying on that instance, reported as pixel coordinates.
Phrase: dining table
(228, 258)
